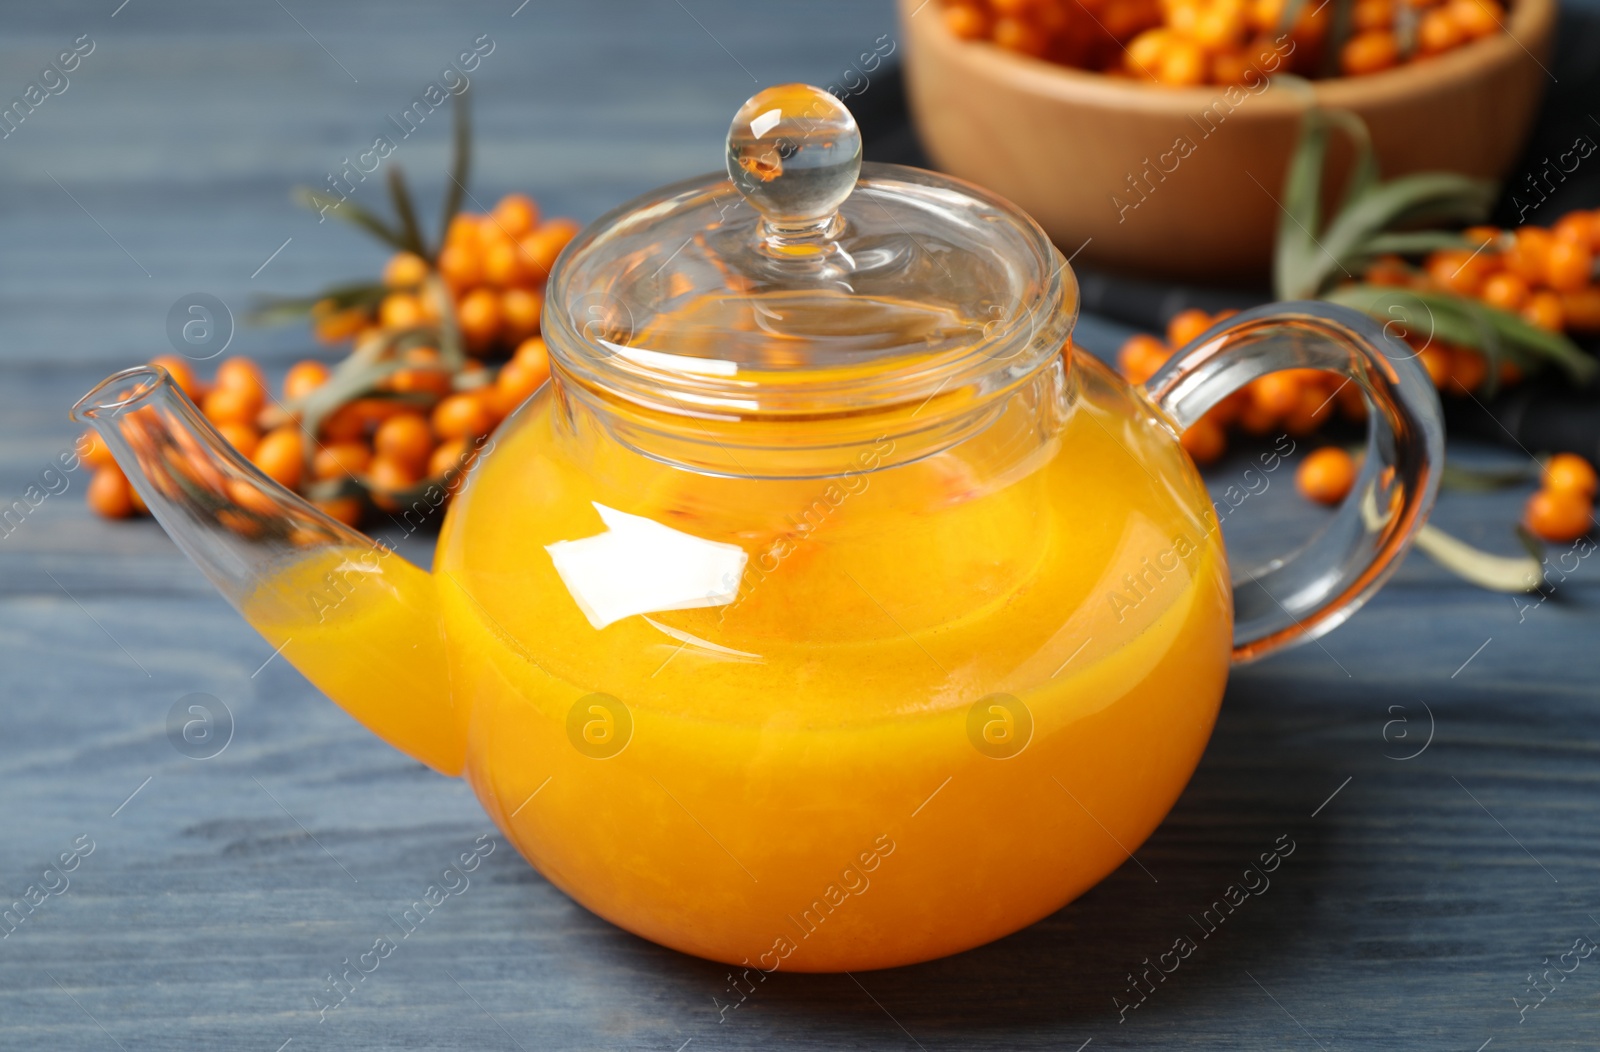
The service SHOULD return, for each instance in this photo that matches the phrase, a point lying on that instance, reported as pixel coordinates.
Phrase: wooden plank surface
(221, 892)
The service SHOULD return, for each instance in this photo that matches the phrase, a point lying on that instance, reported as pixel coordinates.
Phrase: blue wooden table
(1435, 763)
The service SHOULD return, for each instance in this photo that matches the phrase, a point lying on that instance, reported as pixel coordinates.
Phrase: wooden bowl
(1184, 182)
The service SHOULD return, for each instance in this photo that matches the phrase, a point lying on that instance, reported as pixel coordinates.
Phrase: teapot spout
(354, 617)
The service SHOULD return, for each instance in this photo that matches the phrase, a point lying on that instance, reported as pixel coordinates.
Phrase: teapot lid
(804, 276)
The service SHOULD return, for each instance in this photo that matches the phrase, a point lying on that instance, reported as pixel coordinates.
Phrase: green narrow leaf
(1438, 194)
(1483, 480)
(275, 310)
(1555, 346)
(1339, 25)
(1531, 544)
(1406, 20)
(350, 380)
(460, 163)
(451, 349)
(1469, 323)
(1496, 572)
(409, 228)
(1413, 243)
(1289, 15)
(1296, 270)
(1409, 310)
(1364, 170)
(335, 488)
(350, 212)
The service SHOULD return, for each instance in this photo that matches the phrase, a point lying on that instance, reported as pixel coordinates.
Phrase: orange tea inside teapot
(826, 610)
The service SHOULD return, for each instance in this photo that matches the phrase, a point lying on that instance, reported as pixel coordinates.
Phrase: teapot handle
(1303, 595)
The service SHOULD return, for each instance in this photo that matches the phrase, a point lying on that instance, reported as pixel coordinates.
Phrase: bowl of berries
(1155, 135)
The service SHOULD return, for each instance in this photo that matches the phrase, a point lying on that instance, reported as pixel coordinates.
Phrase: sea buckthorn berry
(464, 230)
(479, 318)
(1141, 357)
(1476, 18)
(502, 263)
(181, 372)
(303, 378)
(1186, 326)
(93, 451)
(1436, 360)
(1265, 14)
(344, 424)
(1459, 270)
(1373, 14)
(519, 313)
(534, 353)
(1558, 515)
(1256, 420)
(1313, 409)
(1577, 227)
(1205, 440)
(966, 22)
(451, 456)
(1468, 370)
(340, 460)
(348, 510)
(1438, 32)
(1567, 265)
(1275, 393)
(540, 248)
(460, 265)
(1220, 25)
(405, 438)
(515, 383)
(109, 493)
(281, 455)
(231, 405)
(404, 270)
(242, 374)
(1580, 310)
(1571, 473)
(399, 310)
(516, 214)
(420, 379)
(1484, 235)
(1143, 53)
(1182, 16)
(1544, 310)
(242, 437)
(1389, 270)
(386, 477)
(336, 326)
(1528, 254)
(463, 415)
(1020, 35)
(1183, 64)
(1124, 20)
(374, 411)
(1505, 290)
(1369, 52)
(1326, 475)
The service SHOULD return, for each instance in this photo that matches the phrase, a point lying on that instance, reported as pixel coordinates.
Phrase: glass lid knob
(794, 152)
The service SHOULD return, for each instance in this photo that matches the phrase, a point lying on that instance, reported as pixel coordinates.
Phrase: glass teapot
(825, 610)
